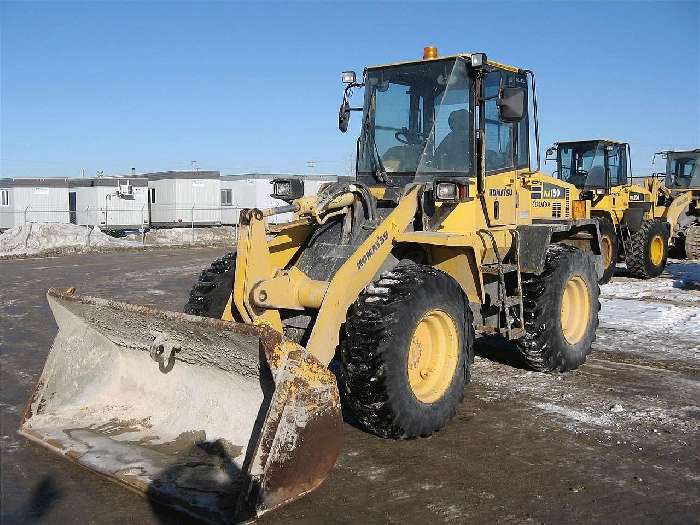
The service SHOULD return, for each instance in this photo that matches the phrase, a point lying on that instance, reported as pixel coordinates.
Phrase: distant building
(112, 203)
(160, 199)
(177, 198)
(34, 200)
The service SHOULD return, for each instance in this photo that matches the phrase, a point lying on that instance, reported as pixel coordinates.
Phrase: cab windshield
(683, 170)
(417, 120)
(584, 165)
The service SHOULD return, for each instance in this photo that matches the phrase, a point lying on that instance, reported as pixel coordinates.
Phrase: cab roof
(465, 56)
(606, 141)
(666, 152)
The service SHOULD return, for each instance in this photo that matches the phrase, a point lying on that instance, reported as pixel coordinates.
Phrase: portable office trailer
(35, 200)
(112, 203)
(252, 190)
(178, 198)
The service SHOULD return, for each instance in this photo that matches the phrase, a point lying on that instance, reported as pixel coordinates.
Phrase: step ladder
(511, 322)
(625, 234)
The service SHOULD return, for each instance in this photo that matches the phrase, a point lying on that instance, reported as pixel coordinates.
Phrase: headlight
(446, 191)
(478, 59)
(282, 189)
(348, 77)
(600, 191)
(287, 189)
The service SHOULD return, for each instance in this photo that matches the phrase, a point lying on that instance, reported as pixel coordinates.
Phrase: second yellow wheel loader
(681, 199)
(230, 410)
(632, 223)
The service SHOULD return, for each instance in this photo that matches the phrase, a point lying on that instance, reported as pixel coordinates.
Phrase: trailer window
(4, 197)
(153, 195)
(227, 197)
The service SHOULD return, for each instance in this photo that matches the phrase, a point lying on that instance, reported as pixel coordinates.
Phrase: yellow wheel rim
(433, 356)
(575, 309)
(656, 250)
(606, 247)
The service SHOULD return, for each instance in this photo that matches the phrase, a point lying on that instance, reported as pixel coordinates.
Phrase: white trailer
(252, 190)
(180, 198)
(35, 200)
(112, 203)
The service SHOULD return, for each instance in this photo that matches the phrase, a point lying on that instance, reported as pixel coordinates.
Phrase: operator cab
(591, 164)
(422, 120)
(682, 169)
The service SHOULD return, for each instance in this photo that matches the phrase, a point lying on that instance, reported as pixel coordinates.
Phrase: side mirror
(344, 115)
(511, 104)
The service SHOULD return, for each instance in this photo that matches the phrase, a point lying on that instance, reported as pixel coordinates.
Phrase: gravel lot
(614, 442)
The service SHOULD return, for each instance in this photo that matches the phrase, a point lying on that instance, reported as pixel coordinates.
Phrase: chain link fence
(176, 225)
(133, 218)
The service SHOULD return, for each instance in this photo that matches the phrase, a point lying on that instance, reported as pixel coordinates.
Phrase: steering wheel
(402, 132)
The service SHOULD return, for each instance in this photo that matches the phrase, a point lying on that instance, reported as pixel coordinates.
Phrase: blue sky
(255, 86)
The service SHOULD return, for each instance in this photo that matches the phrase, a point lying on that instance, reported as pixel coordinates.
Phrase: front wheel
(561, 311)
(210, 294)
(407, 352)
(692, 242)
(648, 250)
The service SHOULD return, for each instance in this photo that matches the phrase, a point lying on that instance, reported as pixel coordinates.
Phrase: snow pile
(40, 238)
(214, 236)
(56, 239)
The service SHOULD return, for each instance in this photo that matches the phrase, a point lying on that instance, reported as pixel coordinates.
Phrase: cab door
(506, 151)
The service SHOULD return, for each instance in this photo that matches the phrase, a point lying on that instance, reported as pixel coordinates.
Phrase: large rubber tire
(375, 353)
(639, 258)
(692, 242)
(209, 295)
(545, 347)
(609, 247)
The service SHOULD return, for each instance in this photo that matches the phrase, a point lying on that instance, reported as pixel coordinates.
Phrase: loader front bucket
(222, 420)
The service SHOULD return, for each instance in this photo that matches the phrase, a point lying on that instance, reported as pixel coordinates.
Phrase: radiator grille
(556, 210)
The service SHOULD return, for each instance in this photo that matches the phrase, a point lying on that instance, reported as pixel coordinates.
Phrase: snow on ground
(57, 239)
(661, 315)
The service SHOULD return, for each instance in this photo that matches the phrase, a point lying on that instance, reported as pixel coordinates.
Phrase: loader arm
(262, 287)
(679, 205)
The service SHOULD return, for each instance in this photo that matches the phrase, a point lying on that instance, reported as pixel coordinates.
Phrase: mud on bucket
(221, 420)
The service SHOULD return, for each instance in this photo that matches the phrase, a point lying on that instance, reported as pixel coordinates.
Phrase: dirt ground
(617, 441)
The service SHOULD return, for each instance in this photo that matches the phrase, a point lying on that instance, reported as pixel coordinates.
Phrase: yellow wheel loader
(680, 200)
(632, 225)
(230, 410)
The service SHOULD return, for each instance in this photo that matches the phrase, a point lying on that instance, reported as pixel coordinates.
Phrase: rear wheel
(407, 352)
(210, 294)
(648, 250)
(692, 242)
(608, 248)
(561, 311)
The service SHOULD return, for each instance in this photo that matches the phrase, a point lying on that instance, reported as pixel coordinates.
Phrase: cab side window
(506, 142)
(617, 166)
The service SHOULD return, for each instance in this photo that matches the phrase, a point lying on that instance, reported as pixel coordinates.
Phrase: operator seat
(596, 177)
(452, 152)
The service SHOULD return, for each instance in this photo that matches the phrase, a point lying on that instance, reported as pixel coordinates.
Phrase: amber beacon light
(430, 52)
